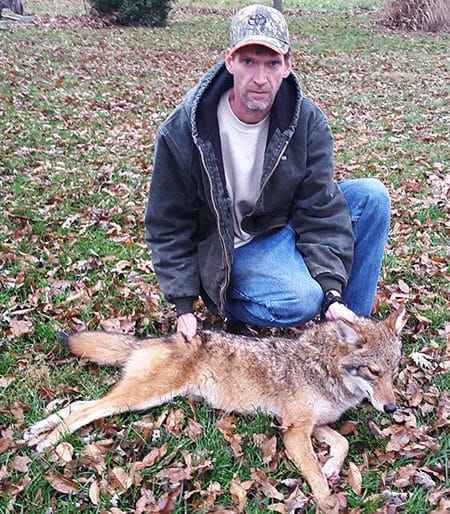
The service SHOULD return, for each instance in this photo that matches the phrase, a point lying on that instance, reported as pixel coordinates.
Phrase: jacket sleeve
(171, 221)
(321, 214)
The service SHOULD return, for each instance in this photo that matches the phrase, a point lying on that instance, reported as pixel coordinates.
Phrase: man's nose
(260, 76)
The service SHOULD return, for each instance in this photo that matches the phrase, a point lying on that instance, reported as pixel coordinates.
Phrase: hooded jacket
(188, 220)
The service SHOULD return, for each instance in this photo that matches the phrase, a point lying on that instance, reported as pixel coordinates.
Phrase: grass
(79, 111)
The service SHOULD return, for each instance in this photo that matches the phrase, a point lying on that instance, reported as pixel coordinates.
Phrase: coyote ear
(397, 320)
(347, 334)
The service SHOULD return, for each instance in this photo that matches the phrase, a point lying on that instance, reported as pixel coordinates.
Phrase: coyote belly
(307, 381)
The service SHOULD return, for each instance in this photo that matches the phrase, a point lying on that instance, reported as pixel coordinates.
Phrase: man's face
(258, 73)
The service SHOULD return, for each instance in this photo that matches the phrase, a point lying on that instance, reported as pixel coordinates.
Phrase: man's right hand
(187, 325)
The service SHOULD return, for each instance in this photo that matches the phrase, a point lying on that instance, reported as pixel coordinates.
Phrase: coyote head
(371, 365)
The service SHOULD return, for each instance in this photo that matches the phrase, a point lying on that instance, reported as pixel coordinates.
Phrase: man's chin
(258, 106)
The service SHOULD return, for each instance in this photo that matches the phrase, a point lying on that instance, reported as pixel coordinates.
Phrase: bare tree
(278, 4)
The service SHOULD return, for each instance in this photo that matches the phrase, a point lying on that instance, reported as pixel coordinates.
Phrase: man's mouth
(259, 93)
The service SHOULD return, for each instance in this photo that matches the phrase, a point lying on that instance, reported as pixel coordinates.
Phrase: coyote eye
(374, 371)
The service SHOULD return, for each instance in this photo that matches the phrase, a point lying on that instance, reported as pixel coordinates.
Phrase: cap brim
(277, 48)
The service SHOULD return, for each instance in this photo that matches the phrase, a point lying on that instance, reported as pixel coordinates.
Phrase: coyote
(307, 381)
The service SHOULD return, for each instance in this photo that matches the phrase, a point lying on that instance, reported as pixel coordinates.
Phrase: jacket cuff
(184, 304)
(327, 283)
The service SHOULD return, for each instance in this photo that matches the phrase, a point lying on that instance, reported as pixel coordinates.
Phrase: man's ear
(287, 66)
(229, 61)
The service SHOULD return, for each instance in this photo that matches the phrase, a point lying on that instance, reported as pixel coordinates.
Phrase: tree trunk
(278, 4)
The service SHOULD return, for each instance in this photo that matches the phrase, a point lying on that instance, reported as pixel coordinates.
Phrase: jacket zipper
(216, 209)
(280, 156)
(221, 237)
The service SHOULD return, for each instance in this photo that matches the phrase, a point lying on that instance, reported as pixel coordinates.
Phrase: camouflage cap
(259, 25)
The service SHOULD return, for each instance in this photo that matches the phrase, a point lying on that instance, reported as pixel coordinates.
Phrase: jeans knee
(295, 311)
(377, 194)
(377, 203)
(283, 312)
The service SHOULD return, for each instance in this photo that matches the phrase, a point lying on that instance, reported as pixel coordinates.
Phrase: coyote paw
(37, 429)
(333, 478)
(329, 505)
(332, 504)
(331, 473)
(40, 434)
(40, 442)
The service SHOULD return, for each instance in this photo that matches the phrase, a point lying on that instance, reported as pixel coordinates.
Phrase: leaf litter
(109, 127)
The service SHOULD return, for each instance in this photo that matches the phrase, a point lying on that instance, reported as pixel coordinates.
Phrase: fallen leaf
(355, 478)
(94, 492)
(61, 483)
(20, 464)
(21, 327)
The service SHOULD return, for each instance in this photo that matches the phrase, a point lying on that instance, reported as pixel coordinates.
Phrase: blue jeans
(271, 285)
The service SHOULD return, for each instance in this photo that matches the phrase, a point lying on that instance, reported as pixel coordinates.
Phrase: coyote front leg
(338, 451)
(298, 444)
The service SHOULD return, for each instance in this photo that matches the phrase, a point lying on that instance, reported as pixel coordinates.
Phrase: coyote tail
(102, 347)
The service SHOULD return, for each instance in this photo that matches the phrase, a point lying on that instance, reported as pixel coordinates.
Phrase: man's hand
(187, 325)
(338, 310)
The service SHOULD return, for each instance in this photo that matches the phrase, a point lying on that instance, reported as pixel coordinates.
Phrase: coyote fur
(307, 381)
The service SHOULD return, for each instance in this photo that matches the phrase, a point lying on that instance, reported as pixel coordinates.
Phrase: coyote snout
(307, 381)
(381, 394)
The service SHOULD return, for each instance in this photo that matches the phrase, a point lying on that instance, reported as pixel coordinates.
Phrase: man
(243, 209)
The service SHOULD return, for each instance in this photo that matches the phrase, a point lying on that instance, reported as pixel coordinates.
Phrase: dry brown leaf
(355, 478)
(443, 410)
(239, 491)
(20, 463)
(61, 483)
(62, 454)
(21, 327)
(226, 427)
(175, 422)
(265, 485)
(194, 430)
(154, 455)
(6, 380)
(94, 492)
(174, 475)
(93, 455)
(423, 479)
(277, 507)
(349, 427)
(119, 479)
(403, 476)
(398, 441)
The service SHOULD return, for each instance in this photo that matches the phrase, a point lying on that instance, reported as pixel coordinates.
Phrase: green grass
(79, 110)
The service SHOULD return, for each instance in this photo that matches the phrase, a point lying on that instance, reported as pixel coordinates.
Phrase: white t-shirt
(243, 147)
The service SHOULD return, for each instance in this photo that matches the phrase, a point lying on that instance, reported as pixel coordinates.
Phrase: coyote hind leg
(136, 391)
(52, 421)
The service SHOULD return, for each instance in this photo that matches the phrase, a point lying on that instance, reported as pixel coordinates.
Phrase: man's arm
(321, 214)
(171, 224)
